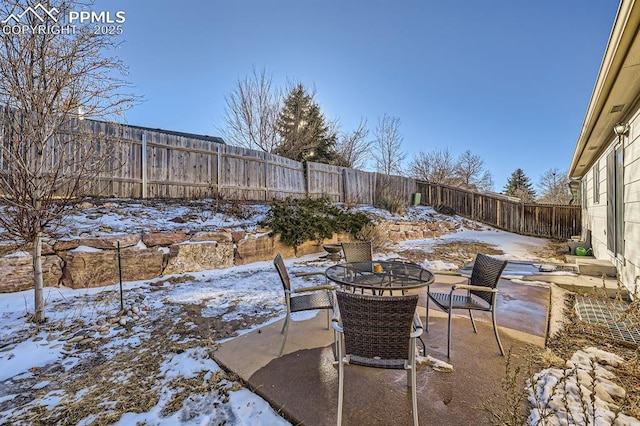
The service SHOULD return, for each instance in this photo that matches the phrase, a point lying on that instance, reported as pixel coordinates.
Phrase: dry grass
(576, 335)
(555, 250)
(103, 389)
(511, 408)
(460, 253)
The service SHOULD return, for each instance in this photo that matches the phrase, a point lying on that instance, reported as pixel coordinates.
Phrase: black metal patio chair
(357, 251)
(377, 331)
(481, 295)
(302, 299)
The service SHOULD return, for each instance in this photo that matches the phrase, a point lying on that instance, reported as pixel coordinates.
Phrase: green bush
(298, 221)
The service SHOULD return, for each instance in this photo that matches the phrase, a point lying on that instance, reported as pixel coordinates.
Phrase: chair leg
(449, 334)
(473, 323)
(414, 397)
(495, 330)
(285, 330)
(328, 318)
(340, 385)
(410, 370)
(426, 322)
(413, 382)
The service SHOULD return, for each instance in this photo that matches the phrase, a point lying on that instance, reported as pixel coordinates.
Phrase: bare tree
(354, 147)
(251, 112)
(554, 187)
(388, 152)
(437, 166)
(471, 174)
(48, 81)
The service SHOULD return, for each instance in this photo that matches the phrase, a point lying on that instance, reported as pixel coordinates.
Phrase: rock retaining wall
(93, 262)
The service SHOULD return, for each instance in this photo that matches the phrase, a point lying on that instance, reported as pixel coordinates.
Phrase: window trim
(596, 183)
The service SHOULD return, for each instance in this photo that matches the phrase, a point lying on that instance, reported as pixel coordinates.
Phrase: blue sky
(509, 80)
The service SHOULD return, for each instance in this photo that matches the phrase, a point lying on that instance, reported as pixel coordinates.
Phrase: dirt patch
(218, 327)
(555, 251)
(460, 253)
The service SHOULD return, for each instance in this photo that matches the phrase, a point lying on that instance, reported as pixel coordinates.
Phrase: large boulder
(194, 257)
(163, 238)
(111, 242)
(260, 247)
(218, 236)
(64, 245)
(96, 268)
(17, 272)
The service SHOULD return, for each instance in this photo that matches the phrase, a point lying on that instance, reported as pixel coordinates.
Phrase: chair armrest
(335, 320)
(417, 326)
(473, 287)
(314, 288)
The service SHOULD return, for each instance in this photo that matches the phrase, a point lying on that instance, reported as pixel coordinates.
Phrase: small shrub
(236, 209)
(444, 209)
(298, 221)
(393, 204)
(371, 232)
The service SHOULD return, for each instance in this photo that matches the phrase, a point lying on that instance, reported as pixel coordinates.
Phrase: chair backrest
(282, 271)
(377, 327)
(357, 251)
(486, 273)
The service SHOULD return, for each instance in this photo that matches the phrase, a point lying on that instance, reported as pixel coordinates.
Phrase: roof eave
(597, 129)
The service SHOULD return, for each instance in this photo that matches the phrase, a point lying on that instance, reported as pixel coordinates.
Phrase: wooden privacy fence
(538, 220)
(154, 163)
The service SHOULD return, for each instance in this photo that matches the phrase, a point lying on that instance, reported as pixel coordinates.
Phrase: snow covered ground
(153, 363)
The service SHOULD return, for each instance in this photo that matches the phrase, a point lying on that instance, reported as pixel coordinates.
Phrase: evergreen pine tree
(520, 186)
(305, 136)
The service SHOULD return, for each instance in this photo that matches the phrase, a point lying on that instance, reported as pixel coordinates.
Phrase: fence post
(305, 168)
(144, 165)
(219, 170)
(522, 219)
(266, 176)
(473, 206)
(345, 186)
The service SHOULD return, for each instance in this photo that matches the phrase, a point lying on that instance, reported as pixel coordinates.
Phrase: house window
(596, 183)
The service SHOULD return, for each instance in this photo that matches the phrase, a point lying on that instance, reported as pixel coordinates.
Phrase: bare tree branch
(252, 111)
(354, 147)
(437, 166)
(470, 172)
(48, 83)
(388, 146)
(554, 187)
(440, 166)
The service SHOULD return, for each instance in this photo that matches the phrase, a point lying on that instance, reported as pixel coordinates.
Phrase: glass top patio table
(392, 275)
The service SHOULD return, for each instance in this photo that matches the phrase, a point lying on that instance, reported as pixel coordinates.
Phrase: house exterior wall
(595, 212)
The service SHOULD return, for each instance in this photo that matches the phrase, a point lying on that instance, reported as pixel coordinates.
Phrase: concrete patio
(302, 384)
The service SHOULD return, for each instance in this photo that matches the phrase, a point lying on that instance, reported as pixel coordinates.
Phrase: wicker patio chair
(302, 299)
(481, 295)
(377, 331)
(357, 251)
